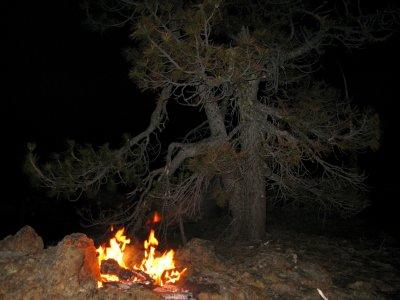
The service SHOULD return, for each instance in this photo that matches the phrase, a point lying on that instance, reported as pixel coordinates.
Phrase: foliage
(249, 66)
(84, 169)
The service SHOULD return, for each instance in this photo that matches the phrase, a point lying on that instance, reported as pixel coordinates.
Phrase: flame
(161, 268)
(116, 249)
(156, 218)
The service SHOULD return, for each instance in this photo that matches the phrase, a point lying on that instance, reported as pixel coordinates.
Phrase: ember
(154, 269)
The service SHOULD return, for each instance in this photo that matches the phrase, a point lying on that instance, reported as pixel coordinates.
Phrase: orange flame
(156, 218)
(160, 268)
(114, 251)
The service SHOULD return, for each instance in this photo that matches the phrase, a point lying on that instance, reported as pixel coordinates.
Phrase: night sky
(63, 81)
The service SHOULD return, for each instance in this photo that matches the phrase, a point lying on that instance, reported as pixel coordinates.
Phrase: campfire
(154, 271)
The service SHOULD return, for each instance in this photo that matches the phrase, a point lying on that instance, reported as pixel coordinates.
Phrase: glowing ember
(161, 268)
(156, 218)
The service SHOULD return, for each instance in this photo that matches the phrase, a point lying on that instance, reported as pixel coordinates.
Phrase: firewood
(110, 266)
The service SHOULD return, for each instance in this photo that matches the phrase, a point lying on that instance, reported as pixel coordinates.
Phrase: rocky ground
(286, 265)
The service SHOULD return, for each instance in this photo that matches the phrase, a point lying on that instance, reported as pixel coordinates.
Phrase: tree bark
(253, 218)
(254, 188)
(246, 191)
(232, 182)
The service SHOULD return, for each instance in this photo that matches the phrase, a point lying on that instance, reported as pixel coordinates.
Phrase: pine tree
(272, 131)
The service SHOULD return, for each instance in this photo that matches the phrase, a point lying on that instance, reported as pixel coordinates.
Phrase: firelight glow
(160, 268)
(115, 250)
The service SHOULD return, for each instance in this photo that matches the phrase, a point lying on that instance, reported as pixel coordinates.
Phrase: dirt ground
(286, 265)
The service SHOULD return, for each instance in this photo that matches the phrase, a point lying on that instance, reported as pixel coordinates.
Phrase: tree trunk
(232, 182)
(254, 190)
(246, 189)
(248, 206)
(253, 217)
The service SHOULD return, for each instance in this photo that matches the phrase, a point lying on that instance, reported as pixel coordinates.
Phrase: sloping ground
(290, 266)
(285, 266)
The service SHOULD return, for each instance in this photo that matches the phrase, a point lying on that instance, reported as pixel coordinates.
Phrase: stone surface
(291, 266)
(132, 293)
(200, 254)
(66, 270)
(25, 241)
(287, 266)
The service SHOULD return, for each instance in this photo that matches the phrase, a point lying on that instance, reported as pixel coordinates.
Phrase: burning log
(154, 270)
(111, 267)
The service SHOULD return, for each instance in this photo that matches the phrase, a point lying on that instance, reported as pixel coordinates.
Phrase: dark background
(63, 81)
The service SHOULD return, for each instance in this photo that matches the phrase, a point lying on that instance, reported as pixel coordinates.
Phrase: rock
(133, 293)
(313, 275)
(76, 257)
(25, 241)
(362, 285)
(211, 296)
(200, 254)
(69, 269)
(236, 295)
(250, 279)
(207, 269)
(287, 288)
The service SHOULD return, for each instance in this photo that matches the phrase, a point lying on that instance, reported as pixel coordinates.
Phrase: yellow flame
(114, 251)
(160, 268)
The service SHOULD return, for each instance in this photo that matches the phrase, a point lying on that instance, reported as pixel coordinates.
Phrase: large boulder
(69, 269)
(25, 241)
